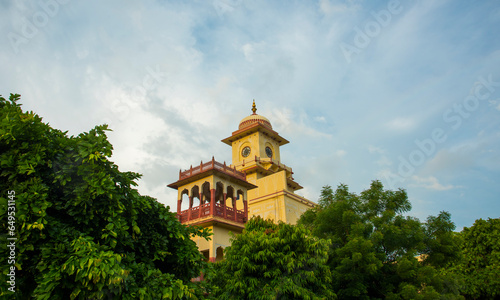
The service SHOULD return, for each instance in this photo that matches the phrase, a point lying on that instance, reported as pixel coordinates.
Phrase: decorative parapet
(212, 165)
(265, 163)
(220, 211)
(273, 162)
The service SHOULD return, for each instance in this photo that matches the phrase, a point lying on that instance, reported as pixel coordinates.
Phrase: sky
(405, 92)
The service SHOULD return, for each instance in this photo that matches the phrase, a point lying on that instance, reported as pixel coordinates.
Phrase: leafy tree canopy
(82, 230)
(273, 261)
(375, 248)
(479, 265)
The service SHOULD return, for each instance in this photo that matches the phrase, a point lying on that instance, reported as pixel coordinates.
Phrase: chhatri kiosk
(223, 197)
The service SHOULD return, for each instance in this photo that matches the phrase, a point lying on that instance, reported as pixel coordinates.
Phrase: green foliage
(273, 261)
(374, 247)
(82, 230)
(441, 241)
(480, 262)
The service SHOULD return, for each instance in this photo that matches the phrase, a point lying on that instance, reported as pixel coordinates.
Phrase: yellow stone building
(222, 197)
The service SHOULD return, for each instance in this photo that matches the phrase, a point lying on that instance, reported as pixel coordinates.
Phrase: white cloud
(384, 161)
(430, 183)
(289, 123)
(251, 50)
(337, 7)
(340, 153)
(401, 124)
(448, 160)
(320, 119)
(374, 149)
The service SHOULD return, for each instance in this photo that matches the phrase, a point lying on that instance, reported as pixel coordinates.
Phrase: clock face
(269, 152)
(246, 151)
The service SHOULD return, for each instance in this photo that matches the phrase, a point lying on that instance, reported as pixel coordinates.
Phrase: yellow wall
(294, 209)
(282, 206)
(201, 242)
(272, 199)
(257, 142)
(271, 184)
(221, 238)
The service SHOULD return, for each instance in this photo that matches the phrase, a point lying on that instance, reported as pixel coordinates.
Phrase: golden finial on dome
(254, 108)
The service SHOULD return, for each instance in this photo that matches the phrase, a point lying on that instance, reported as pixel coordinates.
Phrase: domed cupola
(261, 129)
(254, 118)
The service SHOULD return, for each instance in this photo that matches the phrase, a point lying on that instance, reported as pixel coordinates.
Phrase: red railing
(204, 211)
(209, 166)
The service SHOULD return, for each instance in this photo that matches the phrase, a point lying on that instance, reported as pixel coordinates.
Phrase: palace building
(223, 197)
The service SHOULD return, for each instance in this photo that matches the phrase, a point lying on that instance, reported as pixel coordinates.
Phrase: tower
(256, 153)
(216, 195)
(222, 197)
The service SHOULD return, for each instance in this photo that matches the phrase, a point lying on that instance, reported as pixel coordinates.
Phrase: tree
(441, 242)
(273, 261)
(82, 230)
(479, 265)
(374, 249)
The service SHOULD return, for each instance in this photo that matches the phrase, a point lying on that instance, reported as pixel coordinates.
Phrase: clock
(269, 152)
(246, 151)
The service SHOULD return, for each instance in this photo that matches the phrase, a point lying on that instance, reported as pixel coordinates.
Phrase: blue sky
(401, 91)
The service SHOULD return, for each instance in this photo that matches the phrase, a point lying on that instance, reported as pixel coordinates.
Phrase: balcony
(221, 211)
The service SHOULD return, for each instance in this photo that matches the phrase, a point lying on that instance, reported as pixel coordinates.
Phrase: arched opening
(205, 255)
(195, 194)
(230, 200)
(219, 254)
(184, 200)
(219, 189)
(205, 191)
(240, 201)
